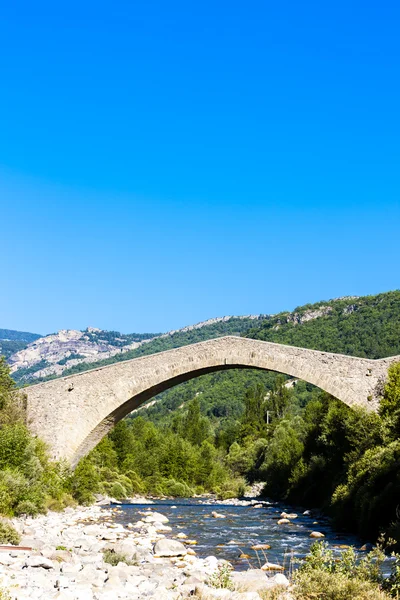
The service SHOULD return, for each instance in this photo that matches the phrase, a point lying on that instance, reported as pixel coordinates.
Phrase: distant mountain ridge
(71, 350)
(11, 340)
(361, 326)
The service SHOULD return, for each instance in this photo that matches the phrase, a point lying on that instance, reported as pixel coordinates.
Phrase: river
(242, 528)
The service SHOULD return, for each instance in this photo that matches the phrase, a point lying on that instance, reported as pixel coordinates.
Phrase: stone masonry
(72, 414)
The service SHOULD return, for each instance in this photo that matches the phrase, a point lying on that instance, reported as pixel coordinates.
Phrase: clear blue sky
(166, 162)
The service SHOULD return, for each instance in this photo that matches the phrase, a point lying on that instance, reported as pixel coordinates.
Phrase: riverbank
(64, 558)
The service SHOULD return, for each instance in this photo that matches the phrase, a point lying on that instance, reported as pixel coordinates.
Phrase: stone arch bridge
(72, 414)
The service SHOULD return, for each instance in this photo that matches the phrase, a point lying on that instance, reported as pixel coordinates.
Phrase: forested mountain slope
(11, 341)
(368, 326)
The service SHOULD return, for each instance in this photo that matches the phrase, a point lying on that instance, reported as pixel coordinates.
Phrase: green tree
(253, 419)
(390, 403)
(195, 428)
(279, 397)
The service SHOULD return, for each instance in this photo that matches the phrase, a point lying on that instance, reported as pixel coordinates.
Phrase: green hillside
(368, 326)
(11, 341)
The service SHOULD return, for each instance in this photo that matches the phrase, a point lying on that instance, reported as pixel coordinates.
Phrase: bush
(177, 489)
(310, 585)
(113, 558)
(85, 482)
(370, 494)
(118, 491)
(8, 534)
(221, 578)
(26, 508)
(58, 505)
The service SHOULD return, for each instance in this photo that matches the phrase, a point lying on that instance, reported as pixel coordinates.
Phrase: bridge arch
(74, 413)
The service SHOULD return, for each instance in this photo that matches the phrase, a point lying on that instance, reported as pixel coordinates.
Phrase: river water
(242, 527)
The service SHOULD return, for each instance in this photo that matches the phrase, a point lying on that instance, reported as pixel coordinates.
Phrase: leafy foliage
(8, 534)
(339, 578)
(28, 478)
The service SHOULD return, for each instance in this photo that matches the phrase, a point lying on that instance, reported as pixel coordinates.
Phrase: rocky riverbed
(64, 559)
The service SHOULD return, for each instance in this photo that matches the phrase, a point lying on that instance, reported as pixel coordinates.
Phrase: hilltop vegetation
(11, 341)
(367, 327)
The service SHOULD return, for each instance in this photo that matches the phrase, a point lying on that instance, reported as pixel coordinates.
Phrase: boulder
(156, 517)
(209, 593)
(253, 580)
(71, 568)
(279, 579)
(39, 562)
(272, 567)
(165, 547)
(316, 535)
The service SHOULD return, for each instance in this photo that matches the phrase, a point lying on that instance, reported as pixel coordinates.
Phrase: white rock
(272, 567)
(71, 568)
(316, 534)
(279, 579)
(39, 561)
(5, 559)
(62, 582)
(252, 580)
(167, 547)
(156, 516)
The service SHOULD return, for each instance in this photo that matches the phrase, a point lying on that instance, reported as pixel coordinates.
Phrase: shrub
(113, 558)
(8, 534)
(221, 578)
(313, 584)
(58, 505)
(276, 593)
(85, 482)
(118, 491)
(177, 489)
(26, 507)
